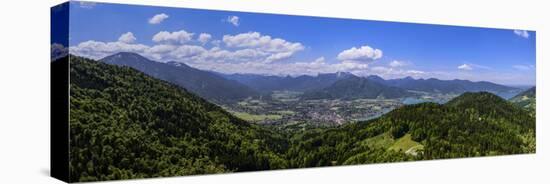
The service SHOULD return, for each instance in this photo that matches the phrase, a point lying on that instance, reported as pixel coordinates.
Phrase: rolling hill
(527, 99)
(205, 84)
(473, 124)
(125, 124)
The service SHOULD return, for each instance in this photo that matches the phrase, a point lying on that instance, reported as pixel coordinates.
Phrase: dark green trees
(125, 124)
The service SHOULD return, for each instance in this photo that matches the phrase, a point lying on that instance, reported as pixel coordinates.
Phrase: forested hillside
(527, 99)
(125, 124)
(474, 124)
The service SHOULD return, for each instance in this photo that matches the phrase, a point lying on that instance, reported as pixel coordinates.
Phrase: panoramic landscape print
(159, 91)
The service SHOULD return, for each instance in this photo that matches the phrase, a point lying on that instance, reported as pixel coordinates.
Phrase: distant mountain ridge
(307, 83)
(355, 87)
(443, 86)
(277, 83)
(234, 87)
(202, 83)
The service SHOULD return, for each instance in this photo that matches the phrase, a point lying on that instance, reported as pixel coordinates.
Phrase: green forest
(125, 124)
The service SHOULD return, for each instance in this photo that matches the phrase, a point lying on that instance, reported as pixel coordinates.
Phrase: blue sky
(236, 42)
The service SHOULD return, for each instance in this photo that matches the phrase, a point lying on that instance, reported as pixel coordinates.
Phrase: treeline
(125, 124)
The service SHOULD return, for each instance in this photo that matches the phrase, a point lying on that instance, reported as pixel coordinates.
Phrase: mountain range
(306, 83)
(433, 85)
(203, 83)
(219, 87)
(127, 124)
(277, 83)
(354, 87)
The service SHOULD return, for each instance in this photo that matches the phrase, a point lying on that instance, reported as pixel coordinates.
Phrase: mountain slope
(276, 83)
(474, 124)
(445, 86)
(526, 99)
(354, 88)
(202, 83)
(125, 124)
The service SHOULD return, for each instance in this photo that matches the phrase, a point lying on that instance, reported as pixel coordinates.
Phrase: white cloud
(233, 20)
(523, 67)
(278, 48)
(162, 48)
(86, 5)
(389, 72)
(282, 69)
(465, 67)
(204, 38)
(158, 18)
(364, 54)
(127, 38)
(522, 33)
(219, 55)
(97, 50)
(178, 37)
(216, 43)
(396, 64)
(279, 56)
(471, 66)
(319, 60)
(242, 60)
(241, 53)
(186, 51)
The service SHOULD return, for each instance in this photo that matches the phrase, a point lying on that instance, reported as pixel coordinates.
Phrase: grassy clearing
(287, 112)
(256, 117)
(407, 145)
(380, 141)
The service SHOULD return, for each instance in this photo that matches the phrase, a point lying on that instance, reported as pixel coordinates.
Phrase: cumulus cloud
(97, 50)
(177, 37)
(233, 20)
(204, 38)
(241, 53)
(363, 53)
(389, 72)
(216, 43)
(186, 51)
(278, 48)
(396, 64)
(158, 18)
(465, 67)
(294, 69)
(127, 38)
(522, 33)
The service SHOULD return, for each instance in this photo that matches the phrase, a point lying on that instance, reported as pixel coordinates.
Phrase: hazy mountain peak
(125, 57)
